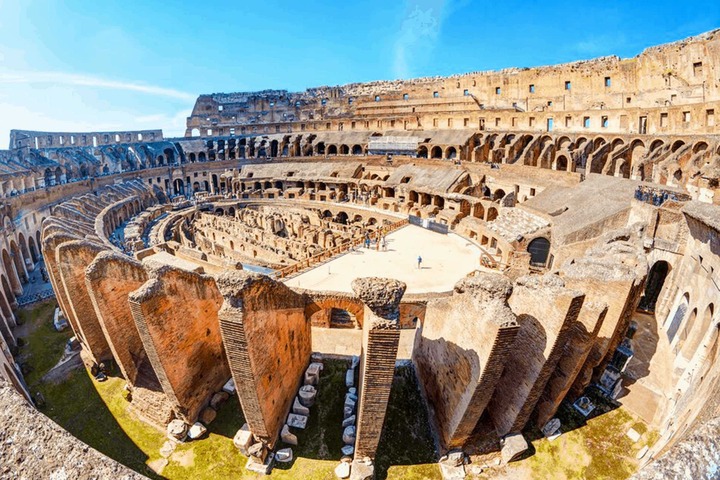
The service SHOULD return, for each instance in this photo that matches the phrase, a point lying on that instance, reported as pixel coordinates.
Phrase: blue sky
(104, 65)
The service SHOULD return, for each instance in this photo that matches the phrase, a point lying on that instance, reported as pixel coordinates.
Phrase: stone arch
(422, 151)
(436, 152)
(678, 316)
(677, 144)
(479, 210)
(24, 248)
(332, 150)
(18, 260)
(450, 153)
(9, 294)
(654, 284)
(12, 275)
(34, 253)
(344, 149)
(498, 194)
(561, 163)
(326, 305)
(357, 150)
(699, 146)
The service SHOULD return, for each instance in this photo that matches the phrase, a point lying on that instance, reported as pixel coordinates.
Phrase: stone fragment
(297, 421)
(347, 412)
(551, 427)
(167, 449)
(342, 470)
(288, 437)
(256, 465)
(312, 374)
(316, 357)
(299, 409)
(362, 470)
(218, 399)
(349, 435)
(350, 402)
(243, 439)
(350, 378)
(208, 415)
(229, 387)
(513, 446)
(347, 450)
(257, 450)
(177, 430)
(307, 394)
(354, 362)
(633, 435)
(349, 421)
(352, 390)
(284, 455)
(196, 431)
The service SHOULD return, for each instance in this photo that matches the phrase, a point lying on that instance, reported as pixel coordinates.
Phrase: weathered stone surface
(218, 399)
(513, 446)
(306, 395)
(284, 455)
(35, 447)
(299, 409)
(196, 431)
(243, 439)
(287, 436)
(381, 295)
(177, 429)
(342, 470)
(208, 415)
(362, 470)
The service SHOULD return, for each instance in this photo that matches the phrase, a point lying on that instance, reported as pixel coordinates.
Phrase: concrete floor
(648, 378)
(446, 259)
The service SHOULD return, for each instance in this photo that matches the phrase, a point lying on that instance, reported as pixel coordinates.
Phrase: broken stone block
(454, 458)
(350, 378)
(349, 403)
(257, 450)
(177, 430)
(347, 412)
(312, 374)
(354, 362)
(299, 409)
(196, 431)
(349, 421)
(316, 357)
(513, 446)
(362, 470)
(243, 439)
(342, 470)
(551, 427)
(633, 435)
(349, 435)
(229, 387)
(288, 437)
(307, 395)
(347, 450)
(218, 399)
(352, 390)
(450, 472)
(208, 415)
(297, 421)
(255, 465)
(284, 455)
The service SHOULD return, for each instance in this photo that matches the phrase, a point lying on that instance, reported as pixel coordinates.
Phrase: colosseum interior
(532, 245)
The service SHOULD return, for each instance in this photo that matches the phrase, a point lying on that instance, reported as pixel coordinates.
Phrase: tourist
(419, 261)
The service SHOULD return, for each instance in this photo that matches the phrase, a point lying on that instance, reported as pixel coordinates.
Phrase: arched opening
(357, 150)
(422, 152)
(479, 211)
(9, 294)
(696, 333)
(678, 316)
(653, 286)
(178, 187)
(342, 217)
(539, 249)
(33, 249)
(274, 148)
(344, 150)
(321, 148)
(492, 214)
(436, 152)
(12, 273)
(499, 194)
(192, 157)
(169, 156)
(340, 318)
(332, 149)
(451, 153)
(18, 260)
(562, 163)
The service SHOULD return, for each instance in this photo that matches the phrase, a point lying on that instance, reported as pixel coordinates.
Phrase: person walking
(419, 262)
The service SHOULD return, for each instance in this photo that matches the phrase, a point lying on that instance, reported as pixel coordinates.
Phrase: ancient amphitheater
(568, 220)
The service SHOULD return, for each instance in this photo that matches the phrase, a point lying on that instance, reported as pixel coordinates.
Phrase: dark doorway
(653, 286)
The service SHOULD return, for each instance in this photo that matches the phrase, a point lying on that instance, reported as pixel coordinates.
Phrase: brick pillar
(381, 336)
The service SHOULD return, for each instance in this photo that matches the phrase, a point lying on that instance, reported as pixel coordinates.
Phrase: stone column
(381, 336)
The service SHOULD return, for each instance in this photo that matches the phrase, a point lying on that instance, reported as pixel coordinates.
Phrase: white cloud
(418, 34)
(61, 78)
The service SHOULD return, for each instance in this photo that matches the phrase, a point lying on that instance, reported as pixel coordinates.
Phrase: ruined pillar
(465, 342)
(110, 278)
(72, 260)
(175, 312)
(545, 312)
(381, 336)
(268, 345)
(575, 351)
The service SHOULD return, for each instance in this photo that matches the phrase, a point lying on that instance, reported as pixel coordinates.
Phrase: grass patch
(407, 449)
(43, 344)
